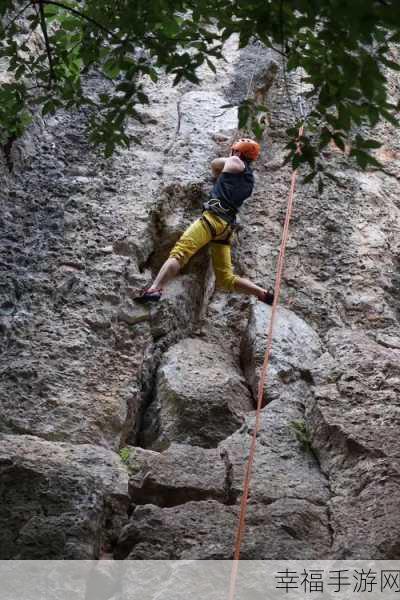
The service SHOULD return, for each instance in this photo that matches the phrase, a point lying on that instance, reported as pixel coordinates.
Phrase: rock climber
(233, 184)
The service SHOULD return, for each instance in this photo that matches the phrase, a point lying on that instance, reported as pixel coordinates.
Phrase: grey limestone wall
(85, 371)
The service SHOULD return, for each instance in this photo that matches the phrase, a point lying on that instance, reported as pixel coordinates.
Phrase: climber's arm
(217, 165)
(233, 164)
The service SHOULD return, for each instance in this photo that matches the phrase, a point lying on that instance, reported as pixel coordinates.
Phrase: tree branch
(284, 59)
(19, 13)
(34, 87)
(78, 13)
(43, 26)
(278, 51)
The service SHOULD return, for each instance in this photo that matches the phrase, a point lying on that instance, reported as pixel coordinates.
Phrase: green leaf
(370, 143)
(257, 129)
(48, 107)
(192, 77)
(143, 98)
(344, 119)
(69, 23)
(50, 11)
(244, 113)
(309, 177)
(373, 115)
(111, 69)
(364, 159)
(19, 72)
(342, 49)
(390, 63)
(211, 65)
(390, 117)
(126, 86)
(325, 138)
(25, 119)
(177, 79)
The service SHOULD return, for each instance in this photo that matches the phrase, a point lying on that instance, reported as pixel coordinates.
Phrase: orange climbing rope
(262, 380)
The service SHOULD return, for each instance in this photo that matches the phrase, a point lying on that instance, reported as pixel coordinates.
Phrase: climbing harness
(225, 235)
(263, 378)
(214, 204)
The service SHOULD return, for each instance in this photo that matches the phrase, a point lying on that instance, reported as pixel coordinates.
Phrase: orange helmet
(249, 148)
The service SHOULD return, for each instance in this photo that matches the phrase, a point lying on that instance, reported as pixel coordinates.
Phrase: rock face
(87, 372)
(296, 346)
(355, 418)
(205, 530)
(201, 397)
(194, 530)
(282, 467)
(178, 475)
(56, 499)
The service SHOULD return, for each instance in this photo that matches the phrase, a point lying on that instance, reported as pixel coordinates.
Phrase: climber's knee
(225, 280)
(222, 263)
(179, 255)
(195, 237)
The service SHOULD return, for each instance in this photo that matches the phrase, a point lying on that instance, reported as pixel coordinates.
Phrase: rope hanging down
(263, 378)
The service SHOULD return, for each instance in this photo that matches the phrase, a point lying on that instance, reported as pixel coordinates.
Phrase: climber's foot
(267, 297)
(149, 295)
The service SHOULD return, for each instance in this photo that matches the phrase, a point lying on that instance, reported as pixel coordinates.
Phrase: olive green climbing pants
(209, 228)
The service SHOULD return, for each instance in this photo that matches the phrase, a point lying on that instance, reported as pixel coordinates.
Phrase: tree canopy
(344, 49)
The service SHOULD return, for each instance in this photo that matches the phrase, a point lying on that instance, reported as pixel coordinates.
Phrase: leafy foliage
(342, 49)
(303, 436)
(125, 454)
(128, 456)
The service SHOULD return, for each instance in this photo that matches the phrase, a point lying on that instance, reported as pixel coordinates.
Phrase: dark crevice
(163, 341)
(306, 375)
(167, 496)
(292, 532)
(148, 390)
(231, 494)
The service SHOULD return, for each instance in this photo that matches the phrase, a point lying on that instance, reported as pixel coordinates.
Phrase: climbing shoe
(268, 298)
(149, 296)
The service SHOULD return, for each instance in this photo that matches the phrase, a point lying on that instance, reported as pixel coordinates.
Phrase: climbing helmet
(248, 148)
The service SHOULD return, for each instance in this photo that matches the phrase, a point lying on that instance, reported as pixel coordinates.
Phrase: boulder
(179, 474)
(205, 530)
(201, 397)
(177, 315)
(356, 398)
(354, 421)
(199, 530)
(364, 509)
(58, 501)
(295, 347)
(283, 467)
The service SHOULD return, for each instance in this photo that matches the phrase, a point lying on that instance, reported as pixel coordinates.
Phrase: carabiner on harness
(214, 204)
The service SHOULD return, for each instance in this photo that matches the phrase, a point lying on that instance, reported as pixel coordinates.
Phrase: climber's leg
(226, 279)
(245, 286)
(195, 237)
(222, 264)
(168, 271)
